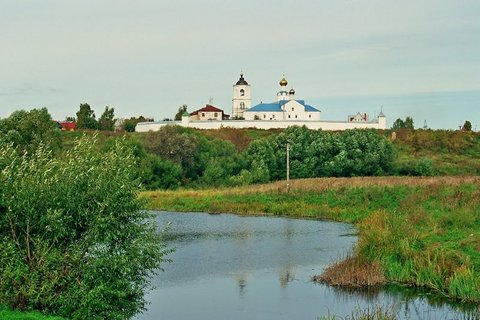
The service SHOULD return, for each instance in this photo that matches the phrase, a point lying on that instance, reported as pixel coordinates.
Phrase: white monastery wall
(261, 124)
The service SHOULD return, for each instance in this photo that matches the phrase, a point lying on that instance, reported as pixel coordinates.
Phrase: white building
(358, 117)
(242, 98)
(287, 107)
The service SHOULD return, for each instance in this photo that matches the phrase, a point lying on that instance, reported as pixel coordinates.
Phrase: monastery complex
(286, 111)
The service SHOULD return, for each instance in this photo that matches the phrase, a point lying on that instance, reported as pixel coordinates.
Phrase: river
(242, 267)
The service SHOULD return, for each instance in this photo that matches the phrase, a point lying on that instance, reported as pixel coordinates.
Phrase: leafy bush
(421, 167)
(27, 129)
(156, 173)
(73, 238)
(322, 154)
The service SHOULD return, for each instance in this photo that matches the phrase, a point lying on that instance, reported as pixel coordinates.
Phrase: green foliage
(17, 315)
(400, 124)
(107, 120)
(450, 152)
(409, 123)
(181, 110)
(318, 153)
(130, 124)
(421, 167)
(203, 161)
(175, 144)
(157, 173)
(467, 126)
(74, 240)
(26, 130)
(86, 117)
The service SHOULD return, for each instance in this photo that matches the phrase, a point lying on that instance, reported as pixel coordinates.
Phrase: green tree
(176, 144)
(27, 129)
(157, 173)
(398, 124)
(181, 110)
(107, 120)
(86, 117)
(467, 126)
(130, 124)
(74, 239)
(409, 123)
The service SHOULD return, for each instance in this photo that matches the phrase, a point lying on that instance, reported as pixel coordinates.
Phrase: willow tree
(74, 240)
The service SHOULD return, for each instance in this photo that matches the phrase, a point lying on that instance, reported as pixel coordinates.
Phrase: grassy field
(417, 231)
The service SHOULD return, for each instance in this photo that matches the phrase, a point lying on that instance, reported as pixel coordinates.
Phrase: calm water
(233, 267)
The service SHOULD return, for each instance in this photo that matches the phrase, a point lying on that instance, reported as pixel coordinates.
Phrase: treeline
(175, 156)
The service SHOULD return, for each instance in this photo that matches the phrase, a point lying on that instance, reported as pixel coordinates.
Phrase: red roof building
(208, 112)
(68, 125)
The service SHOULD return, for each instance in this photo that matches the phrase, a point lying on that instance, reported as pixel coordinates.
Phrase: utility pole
(288, 166)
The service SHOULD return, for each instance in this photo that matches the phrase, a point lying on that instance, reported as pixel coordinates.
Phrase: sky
(148, 57)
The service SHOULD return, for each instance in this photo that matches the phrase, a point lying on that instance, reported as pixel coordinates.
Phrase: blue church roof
(277, 106)
(270, 107)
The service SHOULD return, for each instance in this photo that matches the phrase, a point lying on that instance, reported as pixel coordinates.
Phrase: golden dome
(283, 82)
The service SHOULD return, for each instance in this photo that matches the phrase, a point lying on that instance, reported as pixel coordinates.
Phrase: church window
(293, 109)
(242, 92)
(264, 116)
(288, 116)
(295, 116)
(215, 114)
(309, 115)
(203, 115)
(242, 105)
(273, 116)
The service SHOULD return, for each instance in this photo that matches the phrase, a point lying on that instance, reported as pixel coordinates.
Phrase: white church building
(286, 111)
(287, 107)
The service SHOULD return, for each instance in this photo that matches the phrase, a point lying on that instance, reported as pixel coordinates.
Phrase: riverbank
(419, 231)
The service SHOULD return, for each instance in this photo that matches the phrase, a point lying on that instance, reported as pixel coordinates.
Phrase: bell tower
(242, 99)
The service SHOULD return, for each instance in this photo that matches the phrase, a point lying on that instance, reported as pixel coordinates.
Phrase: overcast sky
(148, 57)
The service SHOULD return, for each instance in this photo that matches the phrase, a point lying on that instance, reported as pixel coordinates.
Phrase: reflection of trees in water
(242, 282)
(286, 275)
(287, 272)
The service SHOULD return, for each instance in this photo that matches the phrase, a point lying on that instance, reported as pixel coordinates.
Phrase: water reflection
(232, 267)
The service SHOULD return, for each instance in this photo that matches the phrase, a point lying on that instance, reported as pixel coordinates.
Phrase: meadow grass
(416, 231)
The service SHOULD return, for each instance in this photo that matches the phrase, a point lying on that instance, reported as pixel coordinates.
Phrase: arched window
(242, 92)
(242, 105)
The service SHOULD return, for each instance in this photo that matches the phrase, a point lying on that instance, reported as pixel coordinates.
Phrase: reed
(370, 313)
